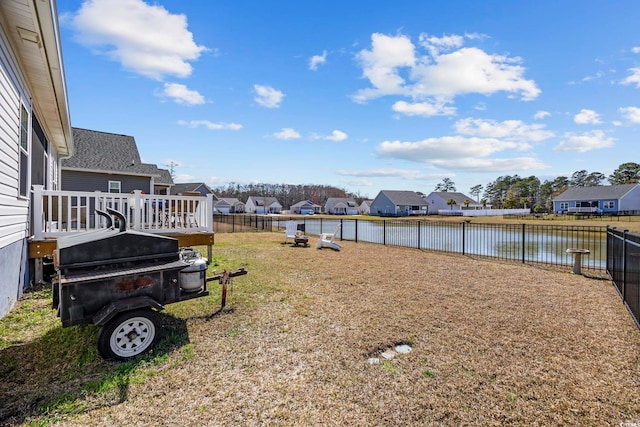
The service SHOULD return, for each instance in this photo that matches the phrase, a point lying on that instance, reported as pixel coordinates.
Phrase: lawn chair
(290, 232)
(327, 240)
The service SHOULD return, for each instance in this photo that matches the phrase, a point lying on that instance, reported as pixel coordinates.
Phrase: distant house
(341, 206)
(191, 188)
(365, 207)
(599, 199)
(306, 207)
(110, 163)
(263, 205)
(398, 203)
(438, 201)
(35, 130)
(228, 205)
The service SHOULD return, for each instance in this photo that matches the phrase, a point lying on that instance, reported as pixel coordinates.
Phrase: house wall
(631, 200)
(14, 210)
(436, 203)
(88, 181)
(382, 205)
(250, 207)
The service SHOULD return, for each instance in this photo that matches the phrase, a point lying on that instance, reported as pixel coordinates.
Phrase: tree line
(287, 194)
(508, 192)
(505, 192)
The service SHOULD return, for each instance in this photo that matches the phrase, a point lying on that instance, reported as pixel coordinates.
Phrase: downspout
(60, 159)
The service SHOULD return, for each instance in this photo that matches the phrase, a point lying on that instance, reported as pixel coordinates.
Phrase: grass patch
(498, 344)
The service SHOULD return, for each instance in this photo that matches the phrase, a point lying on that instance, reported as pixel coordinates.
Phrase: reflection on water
(526, 243)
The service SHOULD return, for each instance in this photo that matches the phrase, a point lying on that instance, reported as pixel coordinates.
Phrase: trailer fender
(112, 309)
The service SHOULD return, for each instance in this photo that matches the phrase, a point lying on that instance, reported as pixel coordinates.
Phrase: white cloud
(447, 147)
(380, 65)
(393, 66)
(210, 125)
(634, 78)
(471, 154)
(337, 136)
(425, 109)
(388, 173)
(268, 96)
(587, 117)
(492, 165)
(435, 44)
(317, 60)
(539, 115)
(635, 49)
(585, 142)
(182, 95)
(515, 130)
(632, 114)
(184, 177)
(287, 133)
(359, 183)
(145, 39)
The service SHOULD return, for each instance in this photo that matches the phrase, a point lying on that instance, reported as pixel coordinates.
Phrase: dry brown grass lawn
(492, 344)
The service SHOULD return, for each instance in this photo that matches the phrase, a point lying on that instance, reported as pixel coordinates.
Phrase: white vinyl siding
(13, 95)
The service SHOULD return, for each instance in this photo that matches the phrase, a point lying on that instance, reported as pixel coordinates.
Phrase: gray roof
(107, 152)
(231, 201)
(263, 201)
(164, 177)
(305, 203)
(341, 201)
(181, 187)
(600, 192)
(404, 197)
(459, 198)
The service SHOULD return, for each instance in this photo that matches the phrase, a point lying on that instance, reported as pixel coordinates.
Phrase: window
(114, 186)
(24, 152)
(610, 204)
(564, 205)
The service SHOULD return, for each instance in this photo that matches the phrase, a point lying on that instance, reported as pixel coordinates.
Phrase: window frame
(24, 137)
(119, 185)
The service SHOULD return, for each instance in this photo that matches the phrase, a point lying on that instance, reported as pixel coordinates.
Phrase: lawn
(302, 341)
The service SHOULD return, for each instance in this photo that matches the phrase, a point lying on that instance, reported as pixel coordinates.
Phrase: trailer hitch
(224, 279)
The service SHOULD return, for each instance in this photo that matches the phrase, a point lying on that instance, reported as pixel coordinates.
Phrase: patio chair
(290, 232)
(327, 240)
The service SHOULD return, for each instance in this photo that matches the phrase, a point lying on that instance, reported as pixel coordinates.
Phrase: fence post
(209, 213)
(356, 232)
(523, 242)
(36, 213)
(419, 232)
(135, 202)
(624, 265)
(384, 231)
(463, 236)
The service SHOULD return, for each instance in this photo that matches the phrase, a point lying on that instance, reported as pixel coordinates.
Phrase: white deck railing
(57, 213)
(585, 209)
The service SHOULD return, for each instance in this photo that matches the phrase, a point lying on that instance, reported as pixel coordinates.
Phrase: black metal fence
(623, 266)
(526, 243)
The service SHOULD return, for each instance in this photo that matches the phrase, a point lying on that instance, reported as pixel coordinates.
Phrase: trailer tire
(129, 334)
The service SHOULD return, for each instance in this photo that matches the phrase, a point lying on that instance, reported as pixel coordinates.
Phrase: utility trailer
(119, 279)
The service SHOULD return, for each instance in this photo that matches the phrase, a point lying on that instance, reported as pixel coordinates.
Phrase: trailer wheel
(129, 334)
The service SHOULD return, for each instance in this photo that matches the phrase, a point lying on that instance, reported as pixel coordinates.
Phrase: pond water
(526, 243)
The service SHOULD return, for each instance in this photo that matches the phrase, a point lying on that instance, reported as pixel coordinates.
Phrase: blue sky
(363, 95)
